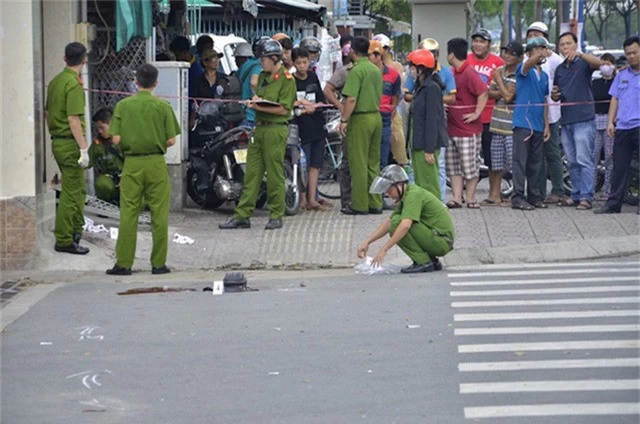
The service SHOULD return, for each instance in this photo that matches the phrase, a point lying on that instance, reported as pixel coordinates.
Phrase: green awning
(133, 19)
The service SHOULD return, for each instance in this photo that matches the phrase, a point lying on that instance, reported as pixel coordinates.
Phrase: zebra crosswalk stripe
(495, 296)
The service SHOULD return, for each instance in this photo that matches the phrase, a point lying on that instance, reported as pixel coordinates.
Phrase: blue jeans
(385, 142)
(443, 175)
(578, 141)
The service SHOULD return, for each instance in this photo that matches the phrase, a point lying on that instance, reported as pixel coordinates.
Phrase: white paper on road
(91, 227)
(368, 269)
(114, 233)
(177, 238)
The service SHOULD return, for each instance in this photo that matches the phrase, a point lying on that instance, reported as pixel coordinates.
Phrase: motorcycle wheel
(292, 193)
(204, 198)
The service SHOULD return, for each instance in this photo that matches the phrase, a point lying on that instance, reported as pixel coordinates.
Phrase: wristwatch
(344, 121)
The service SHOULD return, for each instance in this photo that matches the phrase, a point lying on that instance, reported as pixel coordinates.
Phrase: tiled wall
(18, 232)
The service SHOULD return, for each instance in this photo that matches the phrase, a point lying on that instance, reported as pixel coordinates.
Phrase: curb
(547, 252)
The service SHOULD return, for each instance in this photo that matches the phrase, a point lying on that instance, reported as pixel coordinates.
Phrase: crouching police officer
(420, 224)
(106, 159)
(65, 119)
(144, 126)
(267, 148)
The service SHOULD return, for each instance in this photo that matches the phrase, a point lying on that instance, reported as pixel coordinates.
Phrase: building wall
(17, 136)
(32, 39)
(440, 20)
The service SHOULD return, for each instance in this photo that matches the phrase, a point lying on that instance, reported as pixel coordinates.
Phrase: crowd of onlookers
(517, 112)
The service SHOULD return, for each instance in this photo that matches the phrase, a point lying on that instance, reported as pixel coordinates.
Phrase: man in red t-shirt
(464, 125)
(484, 62)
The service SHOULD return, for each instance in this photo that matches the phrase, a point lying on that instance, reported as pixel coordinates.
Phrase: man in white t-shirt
(552, 163)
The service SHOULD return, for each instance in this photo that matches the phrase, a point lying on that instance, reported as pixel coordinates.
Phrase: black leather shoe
(233, 223)
(349, 211)
(160, 270)
(415, 268)
(118, 270)
(273, 224)
(74, 248)
(375, 211)
(605, 209)
(77, 237)
(437, 265)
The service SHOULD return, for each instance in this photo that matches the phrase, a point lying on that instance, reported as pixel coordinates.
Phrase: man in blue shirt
(572, 84)
(448, 97)
(530, 126)
(624, 123)
(248, 71)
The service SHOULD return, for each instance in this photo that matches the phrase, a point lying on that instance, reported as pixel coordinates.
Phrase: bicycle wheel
(328, 186)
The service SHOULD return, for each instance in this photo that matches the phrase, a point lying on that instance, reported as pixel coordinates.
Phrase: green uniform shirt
(365, 84)
(144, 123)
(65, 97)
(105, 157)
(419, 205)
(280, 88)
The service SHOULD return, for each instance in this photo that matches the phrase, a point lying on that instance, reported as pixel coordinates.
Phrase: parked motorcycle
(217, 159)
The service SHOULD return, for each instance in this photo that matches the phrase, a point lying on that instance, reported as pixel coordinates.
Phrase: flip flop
(524, 206)
(489, 202)
(326, 203)
(452, 204)
(567, 202)
(319, 208)
(473, 205)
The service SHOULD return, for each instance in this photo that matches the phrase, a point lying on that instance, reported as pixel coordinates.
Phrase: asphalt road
(335, 349)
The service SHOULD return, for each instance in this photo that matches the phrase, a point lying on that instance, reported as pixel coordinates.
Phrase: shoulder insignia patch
(288, 75)
(276, 77)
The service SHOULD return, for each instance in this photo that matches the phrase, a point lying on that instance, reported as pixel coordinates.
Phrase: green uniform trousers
(106, 188)
(70, 213)
(143, 178)
(266, 153)
(421, 243)
(364, 133)
(426, 175)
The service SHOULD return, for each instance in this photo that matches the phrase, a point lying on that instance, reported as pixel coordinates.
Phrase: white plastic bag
(385, 269)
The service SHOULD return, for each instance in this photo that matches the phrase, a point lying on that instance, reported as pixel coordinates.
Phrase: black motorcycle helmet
(312, 44)
(257, 45)
(211, 115)
(270, 48)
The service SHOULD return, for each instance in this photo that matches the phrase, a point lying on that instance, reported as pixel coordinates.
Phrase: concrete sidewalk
(312, 240)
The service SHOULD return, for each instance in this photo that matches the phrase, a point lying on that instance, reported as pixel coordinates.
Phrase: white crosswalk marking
(587, 310)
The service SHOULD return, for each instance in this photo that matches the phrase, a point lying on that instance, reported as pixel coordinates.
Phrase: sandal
(489, 202)
(473, 205)
(584, 205)
(452, 204)
(326, 203)
(524, 206)
(319, 207)
(567, 202)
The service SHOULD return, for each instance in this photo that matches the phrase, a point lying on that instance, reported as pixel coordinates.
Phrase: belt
(266, 123)
(141, 154)
(62, 137)
(362, 113)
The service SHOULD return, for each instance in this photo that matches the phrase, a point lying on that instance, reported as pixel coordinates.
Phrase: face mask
(606, 70)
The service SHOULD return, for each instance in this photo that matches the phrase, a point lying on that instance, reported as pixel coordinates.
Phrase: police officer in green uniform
(106, 159)
(65, 119)
(420, 224)
(362, 124)
(267, 148)
(144, 126)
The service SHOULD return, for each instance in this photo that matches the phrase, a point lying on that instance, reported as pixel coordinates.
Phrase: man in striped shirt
(503, 85)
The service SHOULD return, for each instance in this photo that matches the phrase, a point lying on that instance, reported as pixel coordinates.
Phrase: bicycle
(328, 177)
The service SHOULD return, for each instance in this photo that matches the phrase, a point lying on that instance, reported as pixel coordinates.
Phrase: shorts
(314, 152)
(462, 156)
(501, 152)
